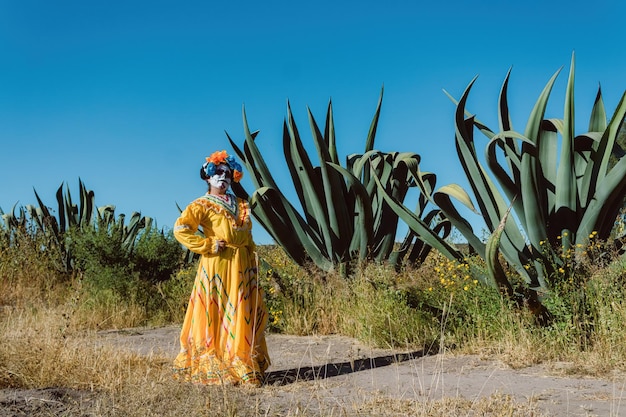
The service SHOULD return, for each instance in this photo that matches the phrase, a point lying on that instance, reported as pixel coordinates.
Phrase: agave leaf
(486, 194)
(148, 222)
(539, 109)
(606, 201)
(131, 231)
(88, 203)
(11, 220)
(601, 158)
(288, 228)
(62, 214)
(585, 150)
(417, 225)
(488, 198)
(420, 249)
(547, 155)
(36, 217)
(329, 135)
(566, 190)
(506, 140)
(47, 219)
(603, 209)
(356, 163)
(509, 145)
(504, 118)
(371, 135)
(598, 118)
(363, 236)
(308, 184)
(456, 191)
(491, 203)
(443, 201)
(333, 187)
(494, 268)
(385, 223)
(106, 214)
(537, 192)
(479, 125)
(252, 158)
(442, 198)
(71, 210)
(532, 185)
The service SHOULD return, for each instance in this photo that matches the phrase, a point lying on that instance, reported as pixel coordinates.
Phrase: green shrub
(114, 276)
(156, 256)
(174, 294)
(380, 313)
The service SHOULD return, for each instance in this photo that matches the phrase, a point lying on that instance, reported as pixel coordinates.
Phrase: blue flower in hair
(233, 164)
(209, 169)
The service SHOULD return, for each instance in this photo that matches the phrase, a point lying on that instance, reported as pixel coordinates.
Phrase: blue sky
(131, 96)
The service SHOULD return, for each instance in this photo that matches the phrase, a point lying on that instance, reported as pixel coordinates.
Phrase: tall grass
(443, 305)
(94, 378)
(49, 322)
(36, 354)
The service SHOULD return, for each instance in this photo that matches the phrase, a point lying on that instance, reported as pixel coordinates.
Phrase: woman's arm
(185, 229)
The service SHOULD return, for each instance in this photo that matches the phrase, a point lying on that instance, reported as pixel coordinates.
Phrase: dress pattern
(223, 334)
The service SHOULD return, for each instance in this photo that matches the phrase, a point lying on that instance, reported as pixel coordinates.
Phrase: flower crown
(219, 158)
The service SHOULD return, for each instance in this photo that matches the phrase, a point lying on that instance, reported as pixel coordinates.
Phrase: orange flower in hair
(219, 158)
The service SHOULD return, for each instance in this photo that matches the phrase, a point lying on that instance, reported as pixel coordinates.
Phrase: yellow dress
(223, 334)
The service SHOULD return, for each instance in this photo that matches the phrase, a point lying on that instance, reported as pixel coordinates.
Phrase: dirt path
(343, 373)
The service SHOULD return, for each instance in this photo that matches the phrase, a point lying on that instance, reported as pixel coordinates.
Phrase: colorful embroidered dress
(222, 338)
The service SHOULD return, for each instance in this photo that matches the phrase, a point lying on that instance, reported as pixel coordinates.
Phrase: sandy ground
(335, 372)
(344, 371)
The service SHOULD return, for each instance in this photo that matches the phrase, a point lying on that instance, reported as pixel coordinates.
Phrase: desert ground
(332, 375)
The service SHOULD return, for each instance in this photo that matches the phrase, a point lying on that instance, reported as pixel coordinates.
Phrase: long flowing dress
(223, 334)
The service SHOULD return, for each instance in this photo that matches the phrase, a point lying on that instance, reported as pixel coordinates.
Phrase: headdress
(220, 158)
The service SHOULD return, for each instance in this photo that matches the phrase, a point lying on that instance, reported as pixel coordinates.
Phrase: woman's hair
(203, 174)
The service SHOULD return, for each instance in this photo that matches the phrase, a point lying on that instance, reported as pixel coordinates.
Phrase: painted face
(222, 178)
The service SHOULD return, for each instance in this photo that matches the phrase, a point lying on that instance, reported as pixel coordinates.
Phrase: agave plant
(561, 192)
(128, 232)
(343, 215)
(11, 223)
(73, 216)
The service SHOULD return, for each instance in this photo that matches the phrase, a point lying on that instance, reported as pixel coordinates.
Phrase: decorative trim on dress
(236, 210)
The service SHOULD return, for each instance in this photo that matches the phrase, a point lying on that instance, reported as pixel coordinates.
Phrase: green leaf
(418, 226)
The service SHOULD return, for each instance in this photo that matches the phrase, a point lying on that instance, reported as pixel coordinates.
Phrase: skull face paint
(222, 178)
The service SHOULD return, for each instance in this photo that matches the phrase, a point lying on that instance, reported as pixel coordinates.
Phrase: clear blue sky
(130, 96)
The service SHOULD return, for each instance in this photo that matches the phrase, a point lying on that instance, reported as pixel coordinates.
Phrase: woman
(222, 338)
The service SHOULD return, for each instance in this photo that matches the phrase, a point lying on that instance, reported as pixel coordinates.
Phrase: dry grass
(52, 363)
(89, 376)
(48, 369)
(493, 405)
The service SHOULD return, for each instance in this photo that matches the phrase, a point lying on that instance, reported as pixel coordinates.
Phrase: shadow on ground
(329, 370)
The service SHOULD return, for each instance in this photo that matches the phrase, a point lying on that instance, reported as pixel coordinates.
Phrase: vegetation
(53, 232)
(555, 228)
(343, 216)
(562, 195)
(440, 307)
(120, 271)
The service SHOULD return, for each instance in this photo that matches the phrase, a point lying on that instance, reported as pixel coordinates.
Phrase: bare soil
(321, 373)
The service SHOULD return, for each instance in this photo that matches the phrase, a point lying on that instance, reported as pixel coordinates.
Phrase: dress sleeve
(185, 229)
